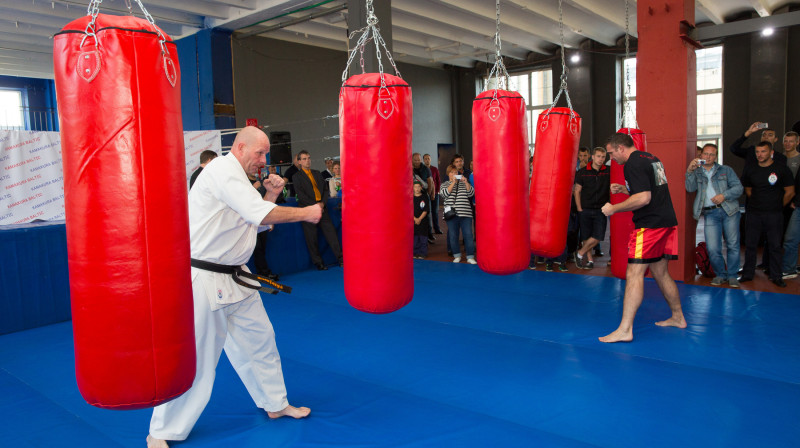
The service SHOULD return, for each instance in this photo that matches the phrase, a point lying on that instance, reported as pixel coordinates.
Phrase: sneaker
(733, 282)
(471, 261)
(539, 260)
(589, 265)
(457, 260)
(562, 267)
(579, 261)
(716, 281)
(532, 268)
(549, 267)
(779, 282)
(789, 275)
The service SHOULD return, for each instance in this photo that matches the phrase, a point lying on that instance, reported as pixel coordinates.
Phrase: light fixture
(575, 58)
(768, 31)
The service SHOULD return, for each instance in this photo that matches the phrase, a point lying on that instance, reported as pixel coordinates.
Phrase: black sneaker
(562, 267)
(579, 261)
(779, 282)
(589, 265)
(549, 267)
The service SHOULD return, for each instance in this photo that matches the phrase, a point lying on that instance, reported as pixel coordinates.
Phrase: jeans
(717, 225)
(465, 225)
(790, 242)
(434, 214)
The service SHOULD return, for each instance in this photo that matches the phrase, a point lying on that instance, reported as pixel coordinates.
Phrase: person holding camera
(748, 153)
(456, 193)
(717, 201)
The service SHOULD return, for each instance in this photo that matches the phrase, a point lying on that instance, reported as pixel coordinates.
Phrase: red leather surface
(500, 150)
(622, 223)
(377, 209)
(126, 213)
(554, 158)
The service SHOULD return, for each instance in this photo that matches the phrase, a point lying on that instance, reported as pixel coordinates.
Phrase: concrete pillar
(666, 103)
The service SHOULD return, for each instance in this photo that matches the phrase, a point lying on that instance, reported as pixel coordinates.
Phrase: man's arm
(748, 191)
(736, 147)
(735, 187)
(280, 215)
(431, 187)
(788, 194)
(634, 202)
(576, 192)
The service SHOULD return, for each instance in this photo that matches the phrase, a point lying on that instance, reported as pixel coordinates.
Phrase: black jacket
(305, 191)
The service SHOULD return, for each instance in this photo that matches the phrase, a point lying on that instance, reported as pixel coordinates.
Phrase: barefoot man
(225, 212)
(654, 240)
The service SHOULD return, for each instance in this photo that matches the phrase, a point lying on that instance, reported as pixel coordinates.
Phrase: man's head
(305, 159)
(763, 151)
(336, 168)
(709, 153)
(790, 141)
(297, 160)
(426, 159)
(207, 156)
(583, 155)
(417, 188)
(250, 148)
(698, 153)
(272, 169)
(416, 160)
(768, 135)
(598, 157)
(458, 162)
(328, 163)
(619, 147)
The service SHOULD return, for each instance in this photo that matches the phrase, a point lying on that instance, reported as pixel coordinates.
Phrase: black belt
(712, 207)
(237, 272)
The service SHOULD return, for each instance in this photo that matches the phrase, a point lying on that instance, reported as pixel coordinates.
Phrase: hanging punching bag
(622, 223)
(126, 211)
(500, 145)
(377, 230)
(557, 136)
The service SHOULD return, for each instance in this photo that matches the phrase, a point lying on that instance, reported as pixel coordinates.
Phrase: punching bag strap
(237, 273)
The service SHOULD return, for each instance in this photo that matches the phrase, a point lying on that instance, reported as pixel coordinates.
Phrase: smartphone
(762, 125)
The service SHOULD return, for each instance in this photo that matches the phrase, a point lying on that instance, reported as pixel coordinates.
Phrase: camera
(458, 176)
(762, 125)
(702, 161)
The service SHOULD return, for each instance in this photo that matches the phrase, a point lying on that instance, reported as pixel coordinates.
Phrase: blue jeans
(717, 225)
(465, 225)
(790, 242)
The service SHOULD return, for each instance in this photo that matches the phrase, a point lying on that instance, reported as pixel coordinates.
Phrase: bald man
(225, 212)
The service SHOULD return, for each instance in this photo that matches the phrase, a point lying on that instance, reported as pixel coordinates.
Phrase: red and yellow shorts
(651, 245)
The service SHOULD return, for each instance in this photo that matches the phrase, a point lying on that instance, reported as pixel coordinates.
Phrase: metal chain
(564, 70)
(371, 28)
(626, 104)
(499, 68)
(94, 9)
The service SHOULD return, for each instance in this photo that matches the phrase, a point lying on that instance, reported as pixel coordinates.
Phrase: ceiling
(424, 32)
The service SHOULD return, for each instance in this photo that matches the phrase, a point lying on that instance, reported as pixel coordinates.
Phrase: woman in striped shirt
(456, 193)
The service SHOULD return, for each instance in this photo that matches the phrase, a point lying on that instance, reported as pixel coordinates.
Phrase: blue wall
(39, 101)
(197, 101)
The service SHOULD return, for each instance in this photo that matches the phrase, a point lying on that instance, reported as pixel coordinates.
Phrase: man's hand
(693, 165)
(607, 209)
(314, 213)
(753, 128)
(256, 185)
(274, 184)
(618, 188)
(718, 199)
(417, 221)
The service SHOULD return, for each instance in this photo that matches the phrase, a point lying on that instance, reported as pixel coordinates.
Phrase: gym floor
(474, 360)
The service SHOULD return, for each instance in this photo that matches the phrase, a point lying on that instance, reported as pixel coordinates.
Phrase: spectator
(311, 189)
(769, 187)
(456, 192)
(260, 251)
(289, 174)
(592, 191)
(335, 182)
(790, 141)
(328, 173)
(423, 174)
(748, 153)
(437, 184)
(792, 238)
(583, 157)
(422, 206)
(717, 201)
(205, 157)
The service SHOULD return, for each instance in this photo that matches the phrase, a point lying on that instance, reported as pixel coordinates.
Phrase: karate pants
(245, 332)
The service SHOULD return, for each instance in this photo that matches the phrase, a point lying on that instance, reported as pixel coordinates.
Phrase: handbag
(450, 212)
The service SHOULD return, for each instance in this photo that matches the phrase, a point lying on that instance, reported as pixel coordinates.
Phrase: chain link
(374, 31)
(94, 9)
(626, 104)
(498, 71)
(564, 70)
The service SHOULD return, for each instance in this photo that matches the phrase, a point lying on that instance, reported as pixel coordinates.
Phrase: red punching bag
(622, 223)
(500, 145)
(126, 211)
(377, 231)
(558, 132)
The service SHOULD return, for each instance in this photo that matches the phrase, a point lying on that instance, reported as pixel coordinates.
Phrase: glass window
(537, 89)
(11, 109)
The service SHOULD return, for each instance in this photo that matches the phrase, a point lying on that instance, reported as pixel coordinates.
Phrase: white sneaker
(471, 261)
(457, 260)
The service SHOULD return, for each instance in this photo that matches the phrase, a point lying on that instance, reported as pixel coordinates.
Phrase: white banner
(31, 181)
(196, 142)
(31, 174)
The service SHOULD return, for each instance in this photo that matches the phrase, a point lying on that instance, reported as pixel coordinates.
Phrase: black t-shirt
(423, 172)
(767, 183)
(796, 199)
(595, 186)
(291, 171)
(422, 204)
(644, 172)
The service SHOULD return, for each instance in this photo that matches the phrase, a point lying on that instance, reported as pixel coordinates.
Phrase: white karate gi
(224, 216)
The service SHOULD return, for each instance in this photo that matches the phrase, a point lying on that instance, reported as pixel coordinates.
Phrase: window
(536, 87)
(11, 110)
(709, 95)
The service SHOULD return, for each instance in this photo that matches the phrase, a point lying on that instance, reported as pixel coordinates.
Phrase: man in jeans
(718, 190)
(792, 238)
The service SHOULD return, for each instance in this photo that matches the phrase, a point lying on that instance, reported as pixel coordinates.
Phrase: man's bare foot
(673, 321)
(618, 336)
(152, 442)
(290, 411)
